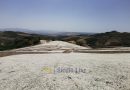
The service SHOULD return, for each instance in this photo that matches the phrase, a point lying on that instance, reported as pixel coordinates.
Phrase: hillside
(11, 40)
(109, 39)
(100, 40)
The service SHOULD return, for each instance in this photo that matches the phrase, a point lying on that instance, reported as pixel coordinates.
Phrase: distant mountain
(16, 29)
(46, 32)
(72, 33)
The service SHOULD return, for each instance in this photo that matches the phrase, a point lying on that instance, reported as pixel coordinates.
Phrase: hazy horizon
(66, 15)
(53, 31)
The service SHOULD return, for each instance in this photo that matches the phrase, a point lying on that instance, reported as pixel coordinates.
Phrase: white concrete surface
(103, 72)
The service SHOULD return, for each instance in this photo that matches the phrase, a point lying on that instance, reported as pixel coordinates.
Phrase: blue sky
(66, 15)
